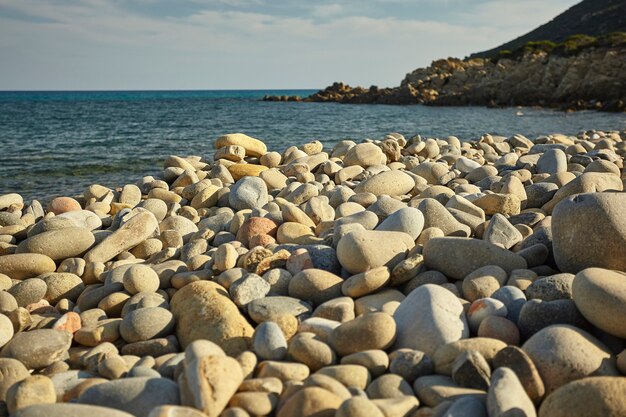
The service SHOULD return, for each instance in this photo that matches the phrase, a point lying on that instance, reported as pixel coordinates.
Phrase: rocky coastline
(399, 277)
(592, 79)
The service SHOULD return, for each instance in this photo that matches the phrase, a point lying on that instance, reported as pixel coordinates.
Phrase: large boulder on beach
(589, 230)
(203, 310)
(428, 318)
(456, 257)
(362, 250)
(600, 296)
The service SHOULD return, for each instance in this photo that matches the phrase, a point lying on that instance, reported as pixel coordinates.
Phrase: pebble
(37, 349)
(506, 396)
(519, 362)
(575, 248)
(469, 255)
(410, 364)
(269, 341)
(59, 244)
(362, 250)
(68, 410)
(471, 370)
(248, 193)
(368, 331)
(600, 296)
(563, 354)
(36, 389)
(146, 323)
(315, 286)
(408, 220)
(388, 182)
(26, 265)
(595, 396)
(136, 396)
(429, 317)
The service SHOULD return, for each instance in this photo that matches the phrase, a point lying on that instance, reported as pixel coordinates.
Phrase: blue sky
(241, 44)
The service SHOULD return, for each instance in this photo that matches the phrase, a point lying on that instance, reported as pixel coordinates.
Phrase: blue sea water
(57, 143)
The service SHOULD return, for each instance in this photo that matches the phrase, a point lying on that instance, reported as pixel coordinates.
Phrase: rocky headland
(588, 75)
(401, 277)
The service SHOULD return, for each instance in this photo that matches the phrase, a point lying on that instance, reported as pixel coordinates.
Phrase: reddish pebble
(63, 204)
(69, 322)
(299, 261)
(38, 306)
(255, 226)
(261, 240)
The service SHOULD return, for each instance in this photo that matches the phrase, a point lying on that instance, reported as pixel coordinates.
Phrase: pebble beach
(395, 277)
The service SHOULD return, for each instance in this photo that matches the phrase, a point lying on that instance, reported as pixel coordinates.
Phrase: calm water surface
(57, 143)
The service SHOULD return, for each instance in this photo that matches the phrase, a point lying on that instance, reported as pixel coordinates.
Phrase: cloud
(106, 44)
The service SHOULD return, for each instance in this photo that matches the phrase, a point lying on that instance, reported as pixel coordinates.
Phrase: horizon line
(153, 90)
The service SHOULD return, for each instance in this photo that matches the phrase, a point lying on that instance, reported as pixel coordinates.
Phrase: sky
(246, 44)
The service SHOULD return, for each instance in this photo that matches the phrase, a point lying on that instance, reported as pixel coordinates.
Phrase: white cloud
(96, 44)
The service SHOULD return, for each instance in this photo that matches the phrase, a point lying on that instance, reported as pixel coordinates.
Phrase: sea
(59, 142)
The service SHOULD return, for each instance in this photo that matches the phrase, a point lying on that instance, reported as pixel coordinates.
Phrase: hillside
(589, 17)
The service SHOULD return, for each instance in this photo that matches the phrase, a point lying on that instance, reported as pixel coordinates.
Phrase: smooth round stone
(565, 353)
(507, 396)
(11, 371)
(239, 171)
(365, 282)
(365, 155)
(68, 410)
(26, 265)
(537, 314)
(36, 389)
(436, 215)
(499, 328)
(309, 349)
(62, 285)
(408, 220)
(203, 310)
(457, 257)
(600, 295)
(388, 182)
(577, 244)
(466, 165)
(311, 402)
(388, 386)
(59, 244)
(552, 161)
(37, 349)
(140, 278)
(146, 323)
(358, 407)
(429, 317)
(368, 331)
(248, 193)
(513, 299)
(376, 361)
(291, 232)
(28, 291)
(136, 396)
(269, 341)
(62, 205)
(247, 289)
(315, 285)
(6, 330)
(481, 309)
(274, 307)
(595, 396)
(362, 250)
(253, 147)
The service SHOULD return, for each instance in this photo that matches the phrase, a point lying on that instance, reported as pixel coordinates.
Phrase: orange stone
(63, 204)
(70, 322)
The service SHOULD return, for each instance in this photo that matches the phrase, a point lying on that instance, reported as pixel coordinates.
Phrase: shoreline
(393, 276)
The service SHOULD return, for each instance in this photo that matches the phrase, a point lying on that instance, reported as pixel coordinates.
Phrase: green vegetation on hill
(583, 23)
(573, 45)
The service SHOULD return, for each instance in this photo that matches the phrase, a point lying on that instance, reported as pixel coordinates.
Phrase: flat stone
(26, 265)
(519, 362)
(435, 389)
(59, 244)
(506, 396)
(388, 182)
(315, 286)
(68, 410)
(253, 147)
(368, 331)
